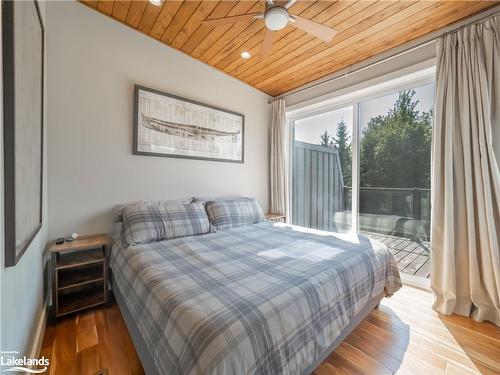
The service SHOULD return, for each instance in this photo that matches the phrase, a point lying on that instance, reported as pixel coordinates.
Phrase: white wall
(22, 286)
(93, 63)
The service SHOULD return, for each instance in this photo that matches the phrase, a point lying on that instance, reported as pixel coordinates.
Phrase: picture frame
(172, 126)
(23, 100)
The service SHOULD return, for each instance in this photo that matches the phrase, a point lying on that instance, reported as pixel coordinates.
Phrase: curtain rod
(404, 51)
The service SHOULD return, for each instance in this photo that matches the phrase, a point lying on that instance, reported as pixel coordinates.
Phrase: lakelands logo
(9, 362)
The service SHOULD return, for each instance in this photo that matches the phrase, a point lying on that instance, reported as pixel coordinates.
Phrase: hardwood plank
(420, 26)
(194, 22)
(90, 3)
(404, 335)
(120, 9)
(289, 45)
(352, 34)
(366, 28)
(105, 6)
(233, 33)
(366, 363)
(120, 333)
(294, 43)
(110, 346)
(64, 350)
(46, 350)
(389, 357)
(341, 364)
(150, 15)
(183, 14)
(242, 7)
(221, 10)
(135, 12)
(251, 39)
(86, 332)
(88, 361)
(256, 40)
(346, 39)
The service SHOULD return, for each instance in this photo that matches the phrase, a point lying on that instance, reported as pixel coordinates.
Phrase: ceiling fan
(277, 17)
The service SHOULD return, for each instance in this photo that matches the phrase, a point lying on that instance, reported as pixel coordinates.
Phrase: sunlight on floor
(450, 347)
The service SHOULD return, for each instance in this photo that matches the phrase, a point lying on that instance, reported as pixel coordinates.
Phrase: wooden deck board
(412, 257)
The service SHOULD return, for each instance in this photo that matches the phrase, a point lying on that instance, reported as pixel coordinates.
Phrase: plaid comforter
(257, 299)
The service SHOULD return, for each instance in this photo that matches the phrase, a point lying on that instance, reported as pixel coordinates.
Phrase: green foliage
(325, 139)
(395, 148)
(342, 143)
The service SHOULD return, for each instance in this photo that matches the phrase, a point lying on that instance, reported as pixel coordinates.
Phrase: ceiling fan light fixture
(276, 18)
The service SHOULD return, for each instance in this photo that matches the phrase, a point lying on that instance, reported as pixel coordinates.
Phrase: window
(322, 171)
(371, 157)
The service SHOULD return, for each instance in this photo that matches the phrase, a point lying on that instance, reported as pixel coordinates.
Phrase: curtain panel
(278, 158)
(465, 174)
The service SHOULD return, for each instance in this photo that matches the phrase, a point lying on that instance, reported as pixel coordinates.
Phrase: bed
(266, 298)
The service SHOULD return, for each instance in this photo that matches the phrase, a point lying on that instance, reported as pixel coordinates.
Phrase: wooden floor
(403, 336)
(413, 257)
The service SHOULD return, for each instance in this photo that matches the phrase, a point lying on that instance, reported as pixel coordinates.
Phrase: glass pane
(322, 171)
(395, 169)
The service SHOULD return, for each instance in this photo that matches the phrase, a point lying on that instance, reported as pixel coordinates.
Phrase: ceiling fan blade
(290, 3)
(267, 45)
(318, 30)
(227, 20)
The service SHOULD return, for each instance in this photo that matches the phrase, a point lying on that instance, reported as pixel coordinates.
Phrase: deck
(412, 257)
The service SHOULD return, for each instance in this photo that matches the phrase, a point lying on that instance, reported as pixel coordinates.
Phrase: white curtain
(466, 179)
(278, 158)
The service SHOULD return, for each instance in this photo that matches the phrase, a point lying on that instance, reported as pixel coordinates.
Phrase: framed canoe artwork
(22, 56)
(168, 125)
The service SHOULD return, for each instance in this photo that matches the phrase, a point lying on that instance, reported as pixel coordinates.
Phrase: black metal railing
(408, 202)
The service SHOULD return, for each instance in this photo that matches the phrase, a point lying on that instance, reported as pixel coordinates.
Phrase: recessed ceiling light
(155, 2)
(245, 55)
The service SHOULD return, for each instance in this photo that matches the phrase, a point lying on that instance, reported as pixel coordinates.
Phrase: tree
(325, 139)
(395, 148)
(342, 143)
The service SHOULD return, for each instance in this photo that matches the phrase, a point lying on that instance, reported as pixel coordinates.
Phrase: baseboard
(37, 339)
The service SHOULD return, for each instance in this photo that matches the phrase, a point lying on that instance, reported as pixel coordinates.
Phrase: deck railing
(407, 202)
(320, 199)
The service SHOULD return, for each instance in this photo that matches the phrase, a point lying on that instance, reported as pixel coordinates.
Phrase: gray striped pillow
(234, 212)
(143, 223)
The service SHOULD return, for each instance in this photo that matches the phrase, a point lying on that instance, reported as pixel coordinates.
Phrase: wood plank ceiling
(365, 28)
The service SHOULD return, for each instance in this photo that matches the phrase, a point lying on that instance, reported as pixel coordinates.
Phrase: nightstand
(79, 274)
(279, 218)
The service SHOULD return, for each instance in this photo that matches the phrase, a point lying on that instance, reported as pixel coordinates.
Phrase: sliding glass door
(394, 174)
(372, 157)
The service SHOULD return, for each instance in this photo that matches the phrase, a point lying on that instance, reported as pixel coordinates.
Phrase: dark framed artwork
(168, 125)
(23, 55)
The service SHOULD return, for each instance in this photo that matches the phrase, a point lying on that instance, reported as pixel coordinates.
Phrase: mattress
(266, 298)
